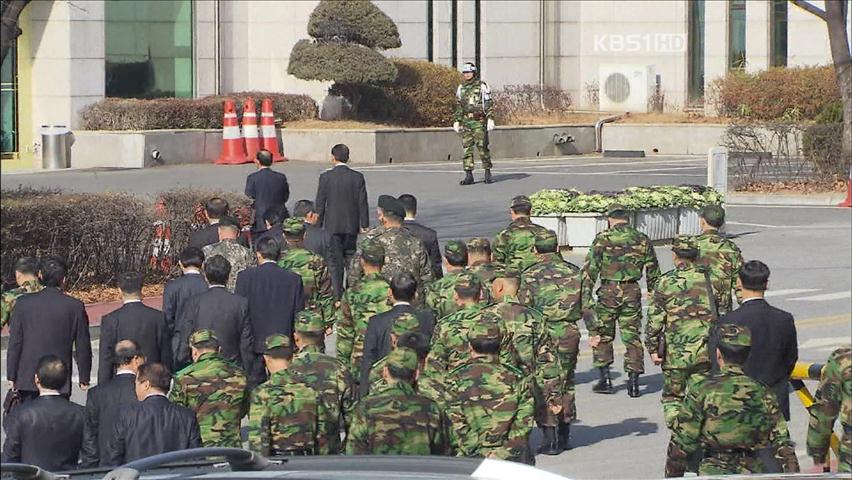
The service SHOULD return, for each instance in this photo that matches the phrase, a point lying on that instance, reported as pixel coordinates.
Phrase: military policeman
(680, 318)
(316, 281)
(215, 389)
(514, 246)
(833, 398)
(237, 255)
(729, 416)
(618, 257)
(26, 276)
(720, 255)
(473, 119)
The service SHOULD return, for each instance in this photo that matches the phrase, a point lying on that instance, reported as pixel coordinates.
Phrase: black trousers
(343, 245)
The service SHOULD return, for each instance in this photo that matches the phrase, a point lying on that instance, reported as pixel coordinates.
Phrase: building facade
(74, 53)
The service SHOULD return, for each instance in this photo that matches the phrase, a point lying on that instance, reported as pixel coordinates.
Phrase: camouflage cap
(276, 340)
(294, 226)
(734, 335)
(684, 246)
(390, 204)
(407, 322)
(403, 358)
(373, 251)
(204, 335)
(487, 328)
(309, 321)
(478, 243)
(520, 201)
(229, 222)
(713, 214)
(617, 210)
(468, 280)
(546, 241)
(455, 247)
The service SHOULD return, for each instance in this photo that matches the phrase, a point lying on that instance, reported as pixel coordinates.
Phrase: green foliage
(830, 113)
(822, 145)
(339, 62)
(551, 202)
(353, 21)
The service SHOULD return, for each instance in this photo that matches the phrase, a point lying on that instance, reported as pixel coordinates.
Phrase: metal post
(717, 169)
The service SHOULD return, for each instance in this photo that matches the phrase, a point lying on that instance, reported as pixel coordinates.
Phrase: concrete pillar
(717, 169)
(205, 49)
(757, 35)
(715, 46)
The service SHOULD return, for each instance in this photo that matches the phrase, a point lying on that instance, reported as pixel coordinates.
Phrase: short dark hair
(686, 253)
(313, 338)
(340, 152)
(456, 259)
(485, 347)
(268, 248)
(403, 286)
(52, 372)
(264, 157)
(401, 374)
(275, 215)
(754, 275)
(52, 271)
(409, 202)
(216, 207)
(280, 353)
(415, 341)
(191, 257)
(27, 265)
(468, 292)
(303, 207)
(737, 354)
(481, 249)
(217, 269)
(373, 263)
(130, 282)
(522, 210)
(156, 374)
(126, 350)
(392, 216)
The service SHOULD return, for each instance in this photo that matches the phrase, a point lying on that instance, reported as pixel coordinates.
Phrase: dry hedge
(515, 102)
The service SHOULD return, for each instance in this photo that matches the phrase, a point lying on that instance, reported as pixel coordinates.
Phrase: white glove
(456, 127)
(490, 125)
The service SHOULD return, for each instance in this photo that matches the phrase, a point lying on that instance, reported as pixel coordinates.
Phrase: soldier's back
(486, 272)
(284, 416)
(514, 246)
(684, 296)
(237, 255)
(439, 295)
(359, 303)
(316, 281)
(404, 253)
(554, 287)
(723, 259)
(621, 252)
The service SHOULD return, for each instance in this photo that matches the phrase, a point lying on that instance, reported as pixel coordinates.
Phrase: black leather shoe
(564, 433)
(604, 385)
(488, 177)
(550, 442)
(633, 385)
(468, 178)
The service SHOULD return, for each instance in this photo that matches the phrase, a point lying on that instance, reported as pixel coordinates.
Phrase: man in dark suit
(133, 321)
(274, 297)
(153, 425)
(46, 432)
(272, 219)
(266, 187)
(219, 310)
(104, 401)
(181, 289)
(215, 208)
(320, 242)
(426, 235)
(48, 323)
(377, 342)
(774, 346)
(342, 205)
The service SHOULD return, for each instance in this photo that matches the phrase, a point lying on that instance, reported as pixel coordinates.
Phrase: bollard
(717, 169)
(54, 147)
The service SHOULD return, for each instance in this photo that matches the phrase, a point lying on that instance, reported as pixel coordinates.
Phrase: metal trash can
(54, 147)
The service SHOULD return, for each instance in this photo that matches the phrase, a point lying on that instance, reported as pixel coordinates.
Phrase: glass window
(779, 33)
(149, 48)
(736, 34)
(695, 48)
(9, 102)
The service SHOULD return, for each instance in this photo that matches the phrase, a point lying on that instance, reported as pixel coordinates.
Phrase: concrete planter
(658, 224)
(688, 221)
(582, 228)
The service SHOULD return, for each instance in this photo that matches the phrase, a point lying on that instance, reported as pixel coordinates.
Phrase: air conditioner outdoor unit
(625, 88)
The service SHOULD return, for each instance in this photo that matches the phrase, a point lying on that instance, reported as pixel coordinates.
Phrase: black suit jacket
(44, 323)
(430, 243)
(177, 292)
(268, 188)
(206, 236)
(275, 232)
(103, 404)
(226, 314)
(152, 426)
(318, 241)
(377, 342)
(46, 432)
(342, 201)
(140, 323)
(274, 296)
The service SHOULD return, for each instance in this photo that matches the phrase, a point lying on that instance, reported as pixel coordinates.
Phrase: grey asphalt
(809, 250)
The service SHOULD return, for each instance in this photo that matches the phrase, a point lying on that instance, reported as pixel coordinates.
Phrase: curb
(819, 200)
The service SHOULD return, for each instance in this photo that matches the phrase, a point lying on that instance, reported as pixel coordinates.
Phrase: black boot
(633, 385)
(564, 436)
(488, 176)
(549, 442)
(604, 385)
(468, 178)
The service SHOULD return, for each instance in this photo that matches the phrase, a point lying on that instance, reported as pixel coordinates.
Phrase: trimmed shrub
(354, 21)
(344, 63)
(515, 102)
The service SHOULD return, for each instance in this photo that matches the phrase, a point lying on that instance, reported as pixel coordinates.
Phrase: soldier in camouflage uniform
(721, 256)
(215, 389)
(491, 406)
(404, 333)
(316, 280)
(439, 295)
(680, 319)
(554, 287)
(473, 119)
(618, 256)
(359, 303)
(285, 416)
(479, 261)
(730, 417)
(833, 398)
(403, 251)
(325, 374)
(26, 276)
(237, 255)
(514, 247)
(395, 420)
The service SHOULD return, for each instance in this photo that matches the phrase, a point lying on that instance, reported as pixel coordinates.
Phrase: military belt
(296, 452)
(740, 452)
(607, 281)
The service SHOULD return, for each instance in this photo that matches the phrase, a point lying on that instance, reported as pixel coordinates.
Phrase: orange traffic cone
(233, 150)
(267, 131)
(250, 129)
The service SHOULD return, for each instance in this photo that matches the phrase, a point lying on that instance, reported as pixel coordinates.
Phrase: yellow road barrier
(810, 371)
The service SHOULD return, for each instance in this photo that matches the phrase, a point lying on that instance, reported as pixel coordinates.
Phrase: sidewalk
(816, 200)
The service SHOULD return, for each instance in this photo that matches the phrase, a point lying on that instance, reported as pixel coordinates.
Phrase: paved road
(808, 250)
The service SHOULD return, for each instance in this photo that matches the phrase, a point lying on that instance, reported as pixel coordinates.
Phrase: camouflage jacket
(514, 247)
(395, 420)
(403, 253)
(7, 301)
(486, 272)
(439, 295)
(330, 378)
(449, 342)
(316, 281)
(359, 303)
(491, 410)
(284, 415)
(237, 255)
(724, 260)
(473, 101)
(833, 398)
(619, 254)
(216, 390)
(679, 309)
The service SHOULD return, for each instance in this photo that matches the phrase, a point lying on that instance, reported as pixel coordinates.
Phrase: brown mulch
(797, 187)
(111, 294)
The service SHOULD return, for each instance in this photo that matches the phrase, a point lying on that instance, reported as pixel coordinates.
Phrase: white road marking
(572, 162)
(825, 297)
(789, 291)
(827, 343)
(614, 172)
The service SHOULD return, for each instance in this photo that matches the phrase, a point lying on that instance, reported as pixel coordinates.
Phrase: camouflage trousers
(474, 134)
(730, 464)
(566, 337)
(674, 389)
(844, 460)
(620, 303)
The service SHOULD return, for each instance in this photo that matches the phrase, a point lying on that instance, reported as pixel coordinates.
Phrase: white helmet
(468, 67)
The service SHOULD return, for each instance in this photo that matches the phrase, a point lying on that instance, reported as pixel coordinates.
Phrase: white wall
(807, 37)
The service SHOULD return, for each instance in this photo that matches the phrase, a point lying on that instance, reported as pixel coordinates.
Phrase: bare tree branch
(9, 29)
(809, 7)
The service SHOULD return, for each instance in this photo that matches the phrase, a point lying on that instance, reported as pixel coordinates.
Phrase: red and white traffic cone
(233, 149)
(267, 131)
(250, 129)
